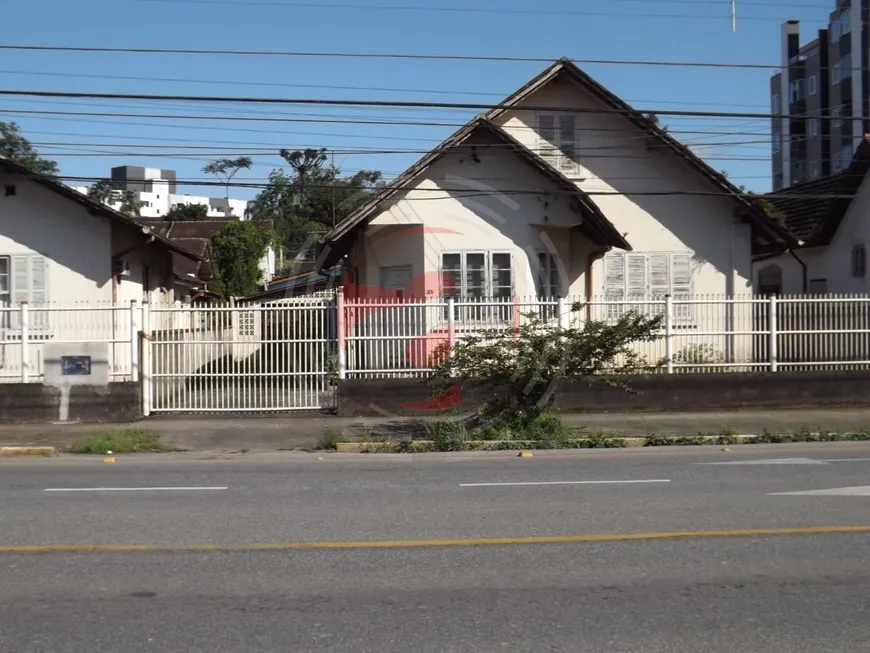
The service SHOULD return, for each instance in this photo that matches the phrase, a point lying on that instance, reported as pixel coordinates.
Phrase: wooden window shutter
(636, 276)
(20, 285)
(681, 284)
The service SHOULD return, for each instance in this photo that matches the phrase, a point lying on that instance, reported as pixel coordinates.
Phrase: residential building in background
(822, 85)
(155, 189)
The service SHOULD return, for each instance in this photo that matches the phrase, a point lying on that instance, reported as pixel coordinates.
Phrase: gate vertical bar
(669, 334)
(25, 337)
(147, 361)
(134, 341)
(340, 335)
(771, 325)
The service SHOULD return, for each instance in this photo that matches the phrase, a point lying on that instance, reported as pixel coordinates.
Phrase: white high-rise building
(155, 190)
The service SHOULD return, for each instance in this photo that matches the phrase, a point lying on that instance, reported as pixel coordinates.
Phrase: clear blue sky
(686, 30)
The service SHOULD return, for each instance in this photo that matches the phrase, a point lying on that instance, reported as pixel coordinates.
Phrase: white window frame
(560, 151)
(28, 282)
(777, 141)
(489, 309)
(774, 103)
(547, 281)
(632, 275)
(814, 127)
(835, 73)
(813, 85)
(836, 114)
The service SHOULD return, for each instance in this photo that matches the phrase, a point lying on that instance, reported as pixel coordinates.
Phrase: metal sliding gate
(231, 359)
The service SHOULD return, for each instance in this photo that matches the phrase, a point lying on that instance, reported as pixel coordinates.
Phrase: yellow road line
(395, 544)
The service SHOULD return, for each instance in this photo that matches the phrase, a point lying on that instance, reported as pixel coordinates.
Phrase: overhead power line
(409, 104)
(466, 192)
(333, 87)
(476, 10)
(383, 55)
(453, 125)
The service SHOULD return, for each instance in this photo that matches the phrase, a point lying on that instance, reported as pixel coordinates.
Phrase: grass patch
(120, 441)
(329, 438)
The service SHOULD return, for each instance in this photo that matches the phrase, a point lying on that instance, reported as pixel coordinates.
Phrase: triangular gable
(92, 206)
(814, 210)
(596, 225)
(566, 68)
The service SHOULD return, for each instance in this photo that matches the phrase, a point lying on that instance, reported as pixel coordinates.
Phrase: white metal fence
(288, 354)
(388, 337)
(24, 329)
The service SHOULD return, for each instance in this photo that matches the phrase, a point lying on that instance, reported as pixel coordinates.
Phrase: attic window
(859, 261)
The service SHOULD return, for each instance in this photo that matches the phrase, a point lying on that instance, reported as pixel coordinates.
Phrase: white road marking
(655, 480)
(130, 489)
(772, 461)
(855, 491)
(844, 460)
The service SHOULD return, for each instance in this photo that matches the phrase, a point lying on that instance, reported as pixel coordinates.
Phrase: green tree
(188, 213)
(305, 204)
(15, 147)
(654, 119)
(108, 192)
(226, 169)
(236, 251)
(520, 369)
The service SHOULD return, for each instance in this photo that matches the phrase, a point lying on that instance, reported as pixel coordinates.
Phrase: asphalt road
(399, 553)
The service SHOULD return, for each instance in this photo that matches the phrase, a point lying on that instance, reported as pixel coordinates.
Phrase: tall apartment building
(825, 78)
(155, 189)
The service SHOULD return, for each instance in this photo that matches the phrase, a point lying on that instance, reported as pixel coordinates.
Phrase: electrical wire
(374, 55)
(328, 86)
(501, 11)
(466, 192)
(405, 104)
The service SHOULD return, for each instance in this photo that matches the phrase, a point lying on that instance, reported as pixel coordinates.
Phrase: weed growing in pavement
(329, 439)
(121, 441)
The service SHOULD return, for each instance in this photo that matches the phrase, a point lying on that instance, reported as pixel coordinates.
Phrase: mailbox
(83, 363)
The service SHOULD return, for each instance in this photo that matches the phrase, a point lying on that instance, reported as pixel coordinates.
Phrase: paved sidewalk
(270, 433)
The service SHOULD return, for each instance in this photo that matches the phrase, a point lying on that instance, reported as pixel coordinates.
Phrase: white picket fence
(288, 354)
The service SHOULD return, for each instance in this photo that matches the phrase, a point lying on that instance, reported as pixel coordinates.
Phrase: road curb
(9, 451)
(615, 442)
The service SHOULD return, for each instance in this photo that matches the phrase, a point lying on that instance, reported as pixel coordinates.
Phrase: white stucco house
(59, 247)
(563, 177)
(831, 219)
(563, 190)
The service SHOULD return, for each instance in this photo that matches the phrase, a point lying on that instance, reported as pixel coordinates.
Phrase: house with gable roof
(562, 190)
(830, 219)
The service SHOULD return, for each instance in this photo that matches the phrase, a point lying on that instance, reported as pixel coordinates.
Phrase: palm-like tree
(226, 169)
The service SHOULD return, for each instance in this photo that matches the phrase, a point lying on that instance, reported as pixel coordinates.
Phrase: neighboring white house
(58, 246)
(74, 262)
(159, 199)
(831, 218)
